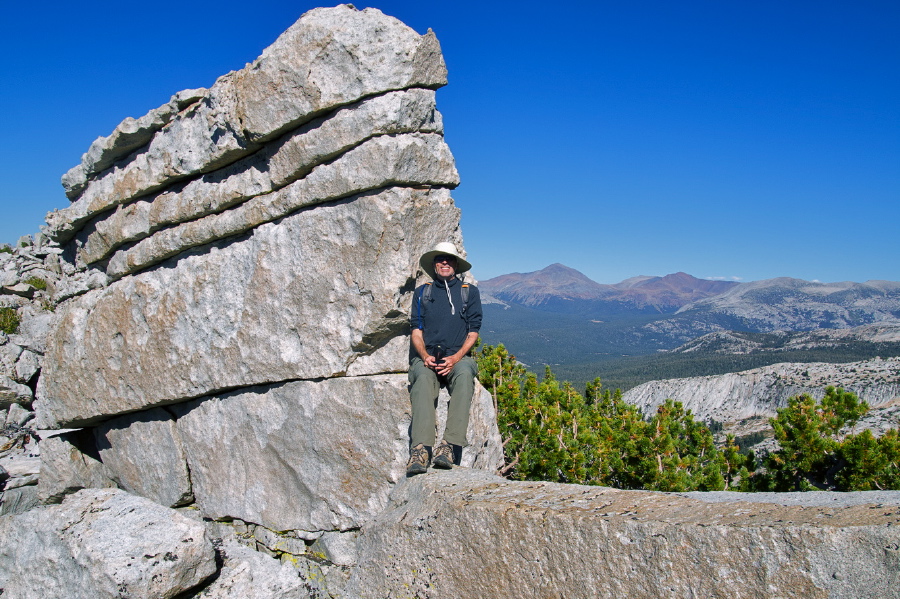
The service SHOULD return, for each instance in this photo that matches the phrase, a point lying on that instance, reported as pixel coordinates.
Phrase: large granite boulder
(320, 294)
(467, 533)
(103, 543)
(262, 231)
(247, 257)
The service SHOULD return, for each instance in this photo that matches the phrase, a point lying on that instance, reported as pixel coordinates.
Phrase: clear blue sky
(743, 140)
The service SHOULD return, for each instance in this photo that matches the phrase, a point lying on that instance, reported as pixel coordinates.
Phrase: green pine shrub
(9, 320)
(552, 432)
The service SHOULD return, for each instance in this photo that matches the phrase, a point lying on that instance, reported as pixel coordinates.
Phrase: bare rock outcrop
(471, 534)
(103, 543)
(321, 294)
(761, 391)
(246, 256)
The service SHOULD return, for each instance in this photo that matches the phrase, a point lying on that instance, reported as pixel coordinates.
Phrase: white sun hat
(445, 247)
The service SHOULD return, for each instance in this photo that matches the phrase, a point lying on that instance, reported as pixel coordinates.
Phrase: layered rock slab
(102, 544)
(471, 534)
(276, 165)
(304, 298)
(306, 456)
(413, 159)
(329, 58)
(299, 456)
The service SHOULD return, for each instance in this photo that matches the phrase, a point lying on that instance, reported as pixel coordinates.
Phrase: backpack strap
(425, 296)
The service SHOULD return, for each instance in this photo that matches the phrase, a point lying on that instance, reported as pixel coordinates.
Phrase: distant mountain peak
(556, 281)
(560, 283)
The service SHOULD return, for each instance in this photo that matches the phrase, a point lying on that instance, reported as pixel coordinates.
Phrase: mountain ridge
(556, 283)
(624, 331)
(780, 303)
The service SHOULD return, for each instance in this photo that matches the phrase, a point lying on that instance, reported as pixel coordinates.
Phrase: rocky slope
(760, 392)
(734, 342)
(32, 274)
(793, 304)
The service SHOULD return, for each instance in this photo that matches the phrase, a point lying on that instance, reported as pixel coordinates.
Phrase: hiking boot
(444, 456)
(418, 460)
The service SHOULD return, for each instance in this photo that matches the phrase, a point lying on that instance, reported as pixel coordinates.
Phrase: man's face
(445, 266)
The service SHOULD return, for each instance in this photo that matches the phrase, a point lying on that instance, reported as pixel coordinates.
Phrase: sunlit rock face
(467, 533)
(246, 257)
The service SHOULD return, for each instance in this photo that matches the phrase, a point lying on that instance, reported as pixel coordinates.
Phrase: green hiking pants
(423, 393)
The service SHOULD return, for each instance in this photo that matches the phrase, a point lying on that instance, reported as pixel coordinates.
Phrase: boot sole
(442, 463)
(416, 469)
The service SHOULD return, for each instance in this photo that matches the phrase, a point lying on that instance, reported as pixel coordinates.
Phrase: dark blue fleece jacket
(441, 325)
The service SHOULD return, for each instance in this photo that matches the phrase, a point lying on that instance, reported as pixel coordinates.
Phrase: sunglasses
(445, 258)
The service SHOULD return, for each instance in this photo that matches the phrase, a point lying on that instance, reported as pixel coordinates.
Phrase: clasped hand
(444, 367)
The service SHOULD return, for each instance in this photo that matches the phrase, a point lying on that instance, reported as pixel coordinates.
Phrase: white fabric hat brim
(427, 259)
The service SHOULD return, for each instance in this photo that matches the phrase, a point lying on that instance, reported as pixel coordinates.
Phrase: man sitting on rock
(445, 319)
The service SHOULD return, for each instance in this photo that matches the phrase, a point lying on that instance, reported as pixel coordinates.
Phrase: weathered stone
(24, 480)
(303, 298)
(303, 455)
(21, 289)
(18, 416)
(12, 392)
(34, 327)
(279, 543)
(454, 534)
(381, 162)
(143, 455)
(9, 355)
(18, 465)
(70, 462)
(248, 574)
(27, 366)
(276, 165)
(80, 283)
(12, 301)
(18, 501)
(337, 547)
(102, 543)
(130, 135)
(351, 54)
(330, 57)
